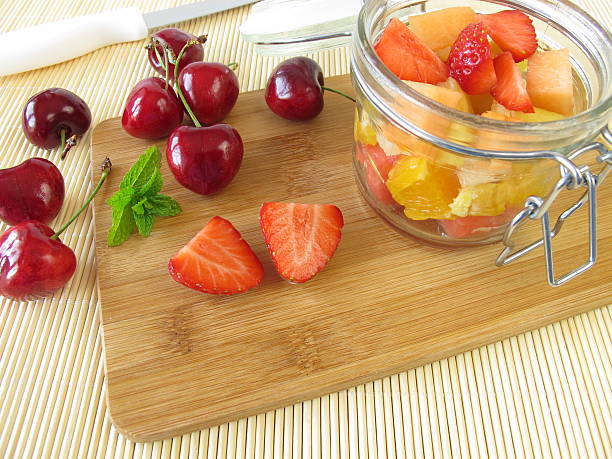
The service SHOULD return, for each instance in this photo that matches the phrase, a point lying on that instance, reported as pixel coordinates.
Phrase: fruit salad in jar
(491, 66)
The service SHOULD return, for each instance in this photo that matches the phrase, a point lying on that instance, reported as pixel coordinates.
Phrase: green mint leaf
(139, 207)
(141, 172)
(138, 202)
(153, 185)
(163, 206)
(144, 223)
(122, 227)
(121, 198)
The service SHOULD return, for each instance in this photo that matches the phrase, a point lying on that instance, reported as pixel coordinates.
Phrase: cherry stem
(106, 168)
(178, 86)
(337, 92)
(164, 64)
(62, 139)
(71, 142)
(166, 67)
(233, 65)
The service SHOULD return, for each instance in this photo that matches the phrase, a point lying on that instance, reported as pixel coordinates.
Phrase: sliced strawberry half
(510, 89)
(407, 56)
(217, 260)
(301, 238)
(513, 31)
(470, 61)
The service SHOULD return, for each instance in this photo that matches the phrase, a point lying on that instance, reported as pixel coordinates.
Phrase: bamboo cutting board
(178, 360)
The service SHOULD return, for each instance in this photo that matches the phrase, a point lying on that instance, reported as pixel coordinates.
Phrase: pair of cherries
(34, 190)
(203, 159)
(34, 263)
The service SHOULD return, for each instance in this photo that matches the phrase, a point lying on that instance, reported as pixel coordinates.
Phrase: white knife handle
(51, 43)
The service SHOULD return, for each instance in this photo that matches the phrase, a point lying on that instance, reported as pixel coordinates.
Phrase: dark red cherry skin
(50, 111)
(294, 89)
(204, 159)
(151, 111)
(175, 39)
(32, 265)
(211, 90)
(33, 190)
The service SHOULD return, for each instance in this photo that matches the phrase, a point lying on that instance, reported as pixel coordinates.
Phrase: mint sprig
(138, 202)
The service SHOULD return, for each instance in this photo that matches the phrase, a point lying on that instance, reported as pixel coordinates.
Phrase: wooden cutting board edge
(332, 388)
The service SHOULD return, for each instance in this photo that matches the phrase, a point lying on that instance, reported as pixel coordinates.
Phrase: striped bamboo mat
(545, 393)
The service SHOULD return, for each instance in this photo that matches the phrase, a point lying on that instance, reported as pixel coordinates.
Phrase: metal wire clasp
(572, 177)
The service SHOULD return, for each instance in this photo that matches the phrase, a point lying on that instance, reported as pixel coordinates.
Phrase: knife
(54, 42)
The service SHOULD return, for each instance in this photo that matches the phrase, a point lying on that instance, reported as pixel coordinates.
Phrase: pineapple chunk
(539, 115)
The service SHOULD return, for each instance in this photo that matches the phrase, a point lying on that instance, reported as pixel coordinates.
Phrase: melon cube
(426, 119)
(432, 122)
(464, 103)
(481, 102)
(549, 81)
(443, 53)
(439, 29)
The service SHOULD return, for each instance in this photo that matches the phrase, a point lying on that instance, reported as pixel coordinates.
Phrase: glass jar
(453, 178)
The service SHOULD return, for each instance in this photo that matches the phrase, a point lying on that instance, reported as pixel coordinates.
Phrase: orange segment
(425, 189)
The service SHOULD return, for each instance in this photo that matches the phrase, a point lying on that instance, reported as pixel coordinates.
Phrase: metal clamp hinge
(572, 177)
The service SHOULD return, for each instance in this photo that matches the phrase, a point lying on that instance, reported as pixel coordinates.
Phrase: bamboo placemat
(545, 393)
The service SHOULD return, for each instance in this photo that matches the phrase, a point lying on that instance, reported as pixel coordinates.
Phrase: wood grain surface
(178, 360)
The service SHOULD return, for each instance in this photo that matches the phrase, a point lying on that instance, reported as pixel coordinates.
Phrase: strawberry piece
(382, 162)
(301, 238)
(470, 61)
(471, 225)
(376, 185)
(360, 153)
(513, 31)
(407, 56)
(217, 260)
(510, 89)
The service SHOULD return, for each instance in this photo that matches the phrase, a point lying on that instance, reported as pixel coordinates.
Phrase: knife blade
(156, 19)
(24, 49)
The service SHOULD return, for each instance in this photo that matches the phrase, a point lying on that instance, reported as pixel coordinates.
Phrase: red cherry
(33, 190)
(53, 115)
(175, 39)
(152, 111)
(204, 159)
(32, 265)
(210, 88)
(294, 89)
